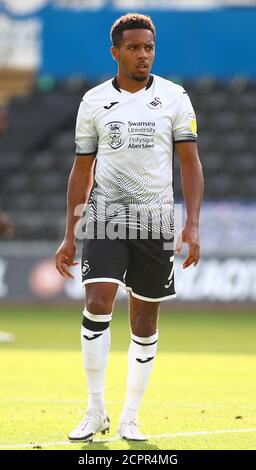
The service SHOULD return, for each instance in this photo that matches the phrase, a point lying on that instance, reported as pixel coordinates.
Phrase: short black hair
(130, 21)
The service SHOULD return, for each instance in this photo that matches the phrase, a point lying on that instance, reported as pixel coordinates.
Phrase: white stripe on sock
(97, 318)
(147, 340)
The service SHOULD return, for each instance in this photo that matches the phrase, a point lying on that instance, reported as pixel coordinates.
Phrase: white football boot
(128, 430)
(92, 423)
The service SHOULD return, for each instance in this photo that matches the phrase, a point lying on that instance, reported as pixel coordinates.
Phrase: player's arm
(79, 187)
(193, 188)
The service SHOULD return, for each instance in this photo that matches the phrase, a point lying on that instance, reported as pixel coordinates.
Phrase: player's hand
(190, 236)
(64, 258)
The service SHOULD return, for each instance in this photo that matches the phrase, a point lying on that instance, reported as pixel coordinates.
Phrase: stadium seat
(37, 151)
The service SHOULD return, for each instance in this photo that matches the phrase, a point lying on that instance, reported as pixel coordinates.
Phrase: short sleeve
(86, 135)
(184, 124)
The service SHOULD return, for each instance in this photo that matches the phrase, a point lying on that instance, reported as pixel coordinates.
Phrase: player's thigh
(150, 274)
(104, 260)
(104, 263)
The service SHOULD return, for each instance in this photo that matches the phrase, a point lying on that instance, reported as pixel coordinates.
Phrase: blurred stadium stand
(43, 75)
(38, 148)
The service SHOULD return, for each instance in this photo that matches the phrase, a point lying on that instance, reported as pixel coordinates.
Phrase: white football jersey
(132, 136)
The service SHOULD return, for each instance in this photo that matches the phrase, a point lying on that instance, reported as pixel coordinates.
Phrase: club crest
(115, 130)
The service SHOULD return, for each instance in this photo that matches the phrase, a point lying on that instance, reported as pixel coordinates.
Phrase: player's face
(135, 54)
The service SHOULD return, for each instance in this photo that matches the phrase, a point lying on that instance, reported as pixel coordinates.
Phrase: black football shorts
(141, 266)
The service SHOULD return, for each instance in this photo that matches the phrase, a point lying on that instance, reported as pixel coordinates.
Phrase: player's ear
(114, 52)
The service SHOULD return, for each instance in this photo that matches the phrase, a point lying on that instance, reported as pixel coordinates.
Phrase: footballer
(126, 131)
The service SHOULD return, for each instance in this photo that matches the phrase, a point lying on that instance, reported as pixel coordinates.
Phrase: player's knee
(100, 297)
(98, 305)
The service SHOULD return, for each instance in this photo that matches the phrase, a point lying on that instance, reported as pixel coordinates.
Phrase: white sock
(95, 339)
(140, 363)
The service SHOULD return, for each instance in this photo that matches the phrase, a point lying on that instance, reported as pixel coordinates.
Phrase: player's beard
(140, 78)
(137, 77)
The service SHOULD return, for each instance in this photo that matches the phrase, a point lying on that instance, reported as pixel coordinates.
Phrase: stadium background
(51, 52)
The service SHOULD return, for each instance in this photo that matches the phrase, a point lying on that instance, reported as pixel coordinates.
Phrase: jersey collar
(115, 84)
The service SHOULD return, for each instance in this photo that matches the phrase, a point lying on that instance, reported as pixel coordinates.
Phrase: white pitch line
(202, 433)
(113, 439)
(54, 402)
(118, 402)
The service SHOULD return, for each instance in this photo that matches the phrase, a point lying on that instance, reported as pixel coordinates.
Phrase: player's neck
(129, 84)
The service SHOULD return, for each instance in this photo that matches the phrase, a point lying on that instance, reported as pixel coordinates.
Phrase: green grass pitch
(202, 392)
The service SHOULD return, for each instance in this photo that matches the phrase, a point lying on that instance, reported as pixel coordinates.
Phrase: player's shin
(141, 356)
(95, 338)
